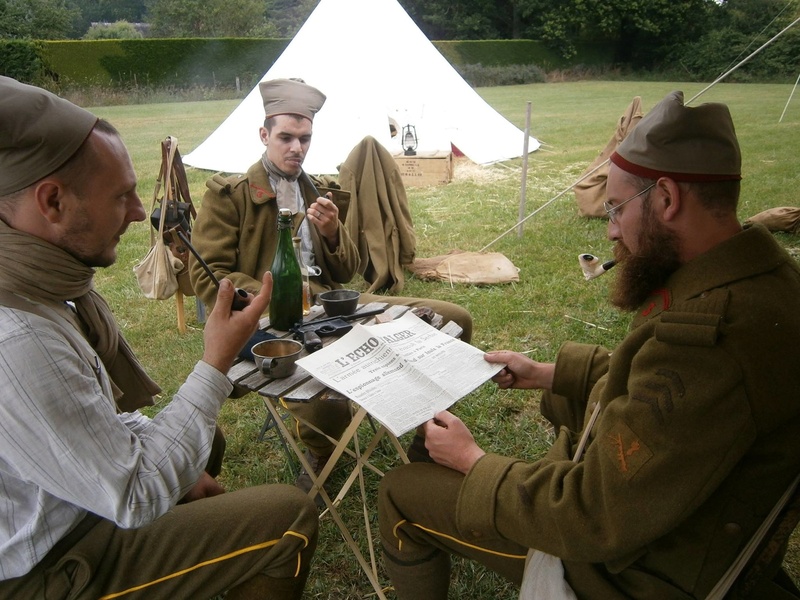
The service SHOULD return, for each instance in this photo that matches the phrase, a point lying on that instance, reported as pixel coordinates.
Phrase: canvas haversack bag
(157, 273)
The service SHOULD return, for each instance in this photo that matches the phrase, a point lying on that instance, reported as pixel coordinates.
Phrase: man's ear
(669, 197)
(264, 135)
(49, 196)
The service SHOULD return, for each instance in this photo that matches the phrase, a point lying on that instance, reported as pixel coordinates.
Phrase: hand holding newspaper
(402, 372)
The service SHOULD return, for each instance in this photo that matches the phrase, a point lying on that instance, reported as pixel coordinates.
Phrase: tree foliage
(120, 30)
(111, 11)
(695, 36)
(288, 16)
(208, 18)
(740, 28)
(464, 19)
(646, 34)
(37, 19)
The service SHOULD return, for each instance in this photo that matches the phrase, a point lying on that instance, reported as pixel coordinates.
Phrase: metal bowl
(338, 303)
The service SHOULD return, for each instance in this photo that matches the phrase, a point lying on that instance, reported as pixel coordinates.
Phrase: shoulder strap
(172, 177)
(182, 184)
(168, 150)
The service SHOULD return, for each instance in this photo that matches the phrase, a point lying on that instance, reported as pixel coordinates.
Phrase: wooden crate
(421, 171)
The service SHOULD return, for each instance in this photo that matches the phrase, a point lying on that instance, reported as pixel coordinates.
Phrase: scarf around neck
(288, 195)
(43, 273)
(274, 171)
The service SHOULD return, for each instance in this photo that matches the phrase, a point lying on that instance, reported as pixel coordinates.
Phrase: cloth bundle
(475, 268)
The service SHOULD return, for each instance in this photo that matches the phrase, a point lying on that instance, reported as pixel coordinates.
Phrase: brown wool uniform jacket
(696, 441)
(236, 234)
(379, 219)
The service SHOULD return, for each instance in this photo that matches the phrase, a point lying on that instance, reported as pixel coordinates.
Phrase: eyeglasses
(612, 210)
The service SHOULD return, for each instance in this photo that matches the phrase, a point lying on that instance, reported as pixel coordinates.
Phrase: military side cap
(39, 132)
(683, 143)
(290, 97)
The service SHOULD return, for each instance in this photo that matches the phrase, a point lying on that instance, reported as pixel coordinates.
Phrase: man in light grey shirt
(90, 496)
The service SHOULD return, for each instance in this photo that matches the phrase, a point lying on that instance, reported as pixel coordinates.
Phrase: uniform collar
(260, 188)
(751, 252)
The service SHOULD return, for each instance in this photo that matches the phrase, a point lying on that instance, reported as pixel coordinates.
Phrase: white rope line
(554, 198)
(732, 69)
(767, 26)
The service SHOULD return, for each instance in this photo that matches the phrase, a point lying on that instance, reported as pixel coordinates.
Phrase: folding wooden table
(301, 387)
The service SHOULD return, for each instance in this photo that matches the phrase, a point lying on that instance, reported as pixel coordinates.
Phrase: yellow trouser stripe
(452, 539)
(260, 546)
(296, 422)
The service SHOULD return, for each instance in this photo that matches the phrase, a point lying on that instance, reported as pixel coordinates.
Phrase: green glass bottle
(286, 306)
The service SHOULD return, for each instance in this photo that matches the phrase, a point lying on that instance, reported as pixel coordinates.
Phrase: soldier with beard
(670, 451)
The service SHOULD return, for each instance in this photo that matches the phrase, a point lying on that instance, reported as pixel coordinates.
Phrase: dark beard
(641, 274)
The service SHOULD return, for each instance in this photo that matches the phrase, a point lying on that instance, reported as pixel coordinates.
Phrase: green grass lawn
(551, 303)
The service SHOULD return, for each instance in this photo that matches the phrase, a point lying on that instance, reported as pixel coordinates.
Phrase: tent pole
(524, 184)
(545, 205)
(790, 98)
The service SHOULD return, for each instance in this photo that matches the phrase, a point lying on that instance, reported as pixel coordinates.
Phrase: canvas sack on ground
(781, 218)
(477, 268)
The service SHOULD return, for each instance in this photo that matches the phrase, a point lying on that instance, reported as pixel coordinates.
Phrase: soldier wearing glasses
(688, 428)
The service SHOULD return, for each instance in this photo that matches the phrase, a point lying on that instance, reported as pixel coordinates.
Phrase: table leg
(370, 569)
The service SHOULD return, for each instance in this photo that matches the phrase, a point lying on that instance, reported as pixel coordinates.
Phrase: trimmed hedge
(500, 53)
(23, 60)
(163, 62)
(216, 62)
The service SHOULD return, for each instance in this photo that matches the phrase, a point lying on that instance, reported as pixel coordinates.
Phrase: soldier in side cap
(236, 235)
(670, 451)
(98, 500)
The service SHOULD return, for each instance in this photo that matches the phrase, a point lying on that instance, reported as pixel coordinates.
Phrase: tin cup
(338, 303)
(277, 358)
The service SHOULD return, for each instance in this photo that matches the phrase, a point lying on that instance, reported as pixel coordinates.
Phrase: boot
(303, 480)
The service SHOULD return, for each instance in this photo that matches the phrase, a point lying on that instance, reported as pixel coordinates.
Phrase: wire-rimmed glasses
(612, 210)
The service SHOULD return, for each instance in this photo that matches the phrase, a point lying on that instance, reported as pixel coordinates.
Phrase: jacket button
(732, 529)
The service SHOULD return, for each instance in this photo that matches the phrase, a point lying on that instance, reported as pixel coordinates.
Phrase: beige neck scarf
(43, 273)
(288, 195)
(287, 190)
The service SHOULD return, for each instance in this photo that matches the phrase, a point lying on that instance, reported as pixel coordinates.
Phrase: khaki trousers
(256, 543)
(416, 513)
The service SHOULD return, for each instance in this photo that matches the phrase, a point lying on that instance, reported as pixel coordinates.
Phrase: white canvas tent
(373, 63)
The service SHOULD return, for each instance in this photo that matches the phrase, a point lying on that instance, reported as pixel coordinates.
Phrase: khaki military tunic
(695, 442)
(236, 234)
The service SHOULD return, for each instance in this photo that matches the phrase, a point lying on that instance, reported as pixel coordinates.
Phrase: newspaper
(402, 372)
